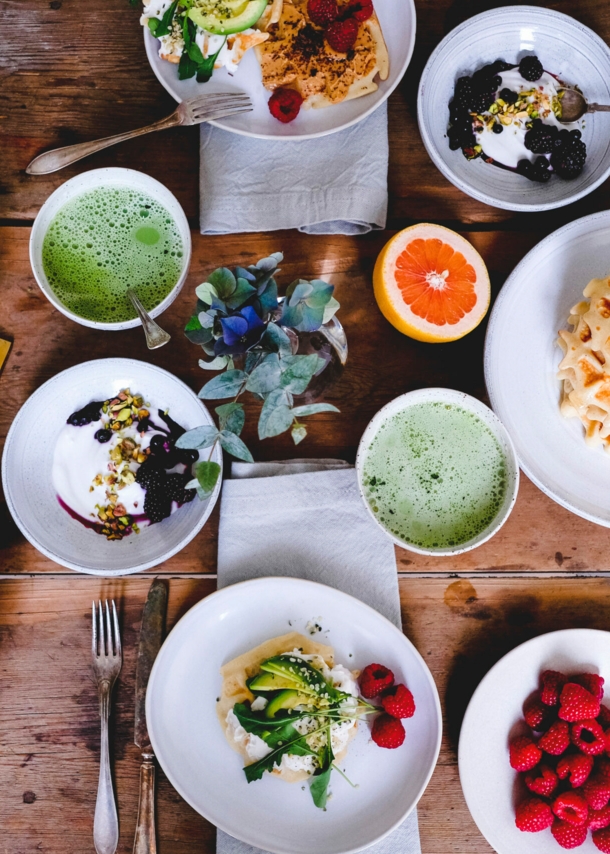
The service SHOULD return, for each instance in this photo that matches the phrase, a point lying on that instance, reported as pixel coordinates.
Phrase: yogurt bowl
(85, 240)
(437, 471)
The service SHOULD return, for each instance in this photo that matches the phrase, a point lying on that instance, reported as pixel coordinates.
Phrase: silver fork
(205, 108)
(107, 660)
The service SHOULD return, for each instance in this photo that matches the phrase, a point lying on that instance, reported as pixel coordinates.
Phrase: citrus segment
(431, 284)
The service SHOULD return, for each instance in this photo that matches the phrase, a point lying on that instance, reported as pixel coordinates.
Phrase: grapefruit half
(431, 283)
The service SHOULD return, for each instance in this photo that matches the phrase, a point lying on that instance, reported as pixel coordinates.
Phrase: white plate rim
(236, 589)
(530, 258)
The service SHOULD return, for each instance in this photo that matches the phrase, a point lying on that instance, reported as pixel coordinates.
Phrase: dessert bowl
(114, 178)
(567, 49)
(493, 717)
(27, 465)
(270, 813)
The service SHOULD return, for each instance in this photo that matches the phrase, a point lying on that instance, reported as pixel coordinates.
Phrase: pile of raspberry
(397, 701)
(565, 761)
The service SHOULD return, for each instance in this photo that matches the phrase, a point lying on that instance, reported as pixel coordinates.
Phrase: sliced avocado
(271, 682)
(286, 700)
(306, 678)
(223, 19)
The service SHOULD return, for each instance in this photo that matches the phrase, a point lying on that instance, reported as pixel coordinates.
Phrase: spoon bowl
(574, 106)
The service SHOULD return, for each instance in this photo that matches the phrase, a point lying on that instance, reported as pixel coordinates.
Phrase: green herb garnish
(163, 26)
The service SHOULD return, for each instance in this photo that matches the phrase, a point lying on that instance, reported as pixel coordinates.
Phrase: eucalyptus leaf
(198, 437)
(301, 292)
(224, 385)
(267, 297)
(292, 315)
(198, 335)
(311, 319)
(320, 295)
(207, 348)
(242, 273)
(233, 445)
(275, 336)
(313, 409)
(298, 433)
(205, 319)
(207, 474)
(271, 262)
(241, 294)
(266, 376)
(217, 364)
(298, 372)
(224, 281)
(206, 292)
(275, 417)
(330, 309)
(231, 416)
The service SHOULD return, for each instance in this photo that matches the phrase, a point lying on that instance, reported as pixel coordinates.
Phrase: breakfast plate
(492, 718)
(522, 357)
(397, 19)
(269, 813)
(28, 469)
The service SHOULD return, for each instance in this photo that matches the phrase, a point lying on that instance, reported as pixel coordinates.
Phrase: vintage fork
(107, 660)
(205, 108)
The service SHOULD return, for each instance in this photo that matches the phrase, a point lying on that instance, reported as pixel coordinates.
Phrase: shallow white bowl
(28, 458)
(492, 718)
(108, 177)
(566, 48)
(458, 398)
(270, 813)
(521, 360)
(397, 19)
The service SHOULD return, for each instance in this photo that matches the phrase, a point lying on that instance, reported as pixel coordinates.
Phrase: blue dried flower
(240, 332)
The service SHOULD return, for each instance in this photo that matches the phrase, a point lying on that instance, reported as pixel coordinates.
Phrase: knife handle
(145, 841)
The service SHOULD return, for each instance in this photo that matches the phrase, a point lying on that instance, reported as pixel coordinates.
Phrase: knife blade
(151, 636)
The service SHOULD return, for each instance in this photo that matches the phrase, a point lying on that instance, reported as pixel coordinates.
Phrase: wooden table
(70, 72)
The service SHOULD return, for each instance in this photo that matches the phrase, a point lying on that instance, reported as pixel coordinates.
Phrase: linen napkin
(334, 184)
(339, 551)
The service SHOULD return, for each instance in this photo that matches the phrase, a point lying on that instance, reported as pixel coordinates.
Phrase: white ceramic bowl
(458, 398)
(566, 48)
(493, 717)
(109, 177)
(28, 458)
(397, 19)
(271, 814)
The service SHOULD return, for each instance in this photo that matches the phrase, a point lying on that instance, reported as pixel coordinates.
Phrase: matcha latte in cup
(103, 232)
(437, 471)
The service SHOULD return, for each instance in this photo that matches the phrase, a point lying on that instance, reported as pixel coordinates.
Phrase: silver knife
(151, 637)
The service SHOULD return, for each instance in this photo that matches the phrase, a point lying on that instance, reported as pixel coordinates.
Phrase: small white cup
(110, 177)
(458, 398)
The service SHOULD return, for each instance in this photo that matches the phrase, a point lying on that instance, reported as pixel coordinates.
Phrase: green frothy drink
(435, 475)
(105, 241)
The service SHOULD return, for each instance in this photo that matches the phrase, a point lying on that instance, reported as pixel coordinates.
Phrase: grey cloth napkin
(341, 551)
(334, 184)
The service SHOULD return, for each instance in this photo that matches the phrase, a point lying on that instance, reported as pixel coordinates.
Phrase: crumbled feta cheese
(254, 746)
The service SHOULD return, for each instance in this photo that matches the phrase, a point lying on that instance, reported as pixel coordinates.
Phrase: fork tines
(218, 97)
(106, 637)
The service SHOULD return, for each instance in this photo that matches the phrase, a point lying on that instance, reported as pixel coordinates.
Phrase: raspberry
(593, 683)
(533, 815)
(599, 818)
(388, 732)
(551, 683)
(588, 737)
(572, 807)
(341, 35)
(531, 68)
(541, 780)
(536, 714)
(577, 704)
(556, 740)
(524, 753)
(575, 768)
(399, 702)
(285, 104)
(361, 10)
(374, 679)
(568, 835)
(596, 790)
(602, 767)
(604, 716)
(601, 840)
(322, 12)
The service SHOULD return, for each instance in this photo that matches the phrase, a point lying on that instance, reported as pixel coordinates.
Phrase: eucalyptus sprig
(252, 336)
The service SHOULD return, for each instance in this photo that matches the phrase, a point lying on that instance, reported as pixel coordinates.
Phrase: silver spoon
(155, 336)
(574, 106)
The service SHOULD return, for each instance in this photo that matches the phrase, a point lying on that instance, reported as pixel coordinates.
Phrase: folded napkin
(334, 184)
(270, 500)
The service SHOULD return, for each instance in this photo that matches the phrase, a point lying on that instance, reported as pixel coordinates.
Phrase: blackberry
(150, 474)
(156, 506)
(187, 456)
(531, 68)
(537, 171)
(462, 96)
(509, 96)
(575, 134)
(159, 444)
(103, 436)
(483, 101)
(540, 137)
(568, 160)
(89, 413)
(497, 128)
(188, 495)
(174, 486)
(461, 135)
(500, 65)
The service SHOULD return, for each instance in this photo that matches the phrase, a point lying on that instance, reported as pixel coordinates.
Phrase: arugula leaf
(189, 31)
(206, 69)
(186, 67)
(163, 27)
(319, 784)
(288, 740)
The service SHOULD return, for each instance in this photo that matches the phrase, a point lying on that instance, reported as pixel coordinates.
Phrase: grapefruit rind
(398, 312)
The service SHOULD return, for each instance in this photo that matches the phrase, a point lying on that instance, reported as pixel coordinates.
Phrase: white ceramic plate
(521, 359)
(397, 19)
(487, 779)
(271, 814)
(565, 47)
(28, 458)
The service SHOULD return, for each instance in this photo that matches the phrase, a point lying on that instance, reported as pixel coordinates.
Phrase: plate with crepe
(546, 369)
(337, 61)
(267, 708)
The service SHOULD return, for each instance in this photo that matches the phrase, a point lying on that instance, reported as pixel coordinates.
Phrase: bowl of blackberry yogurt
(489, 108)
(92, 470)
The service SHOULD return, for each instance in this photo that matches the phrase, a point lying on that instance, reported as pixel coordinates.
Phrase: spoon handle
(598, 108)
(155, 336)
